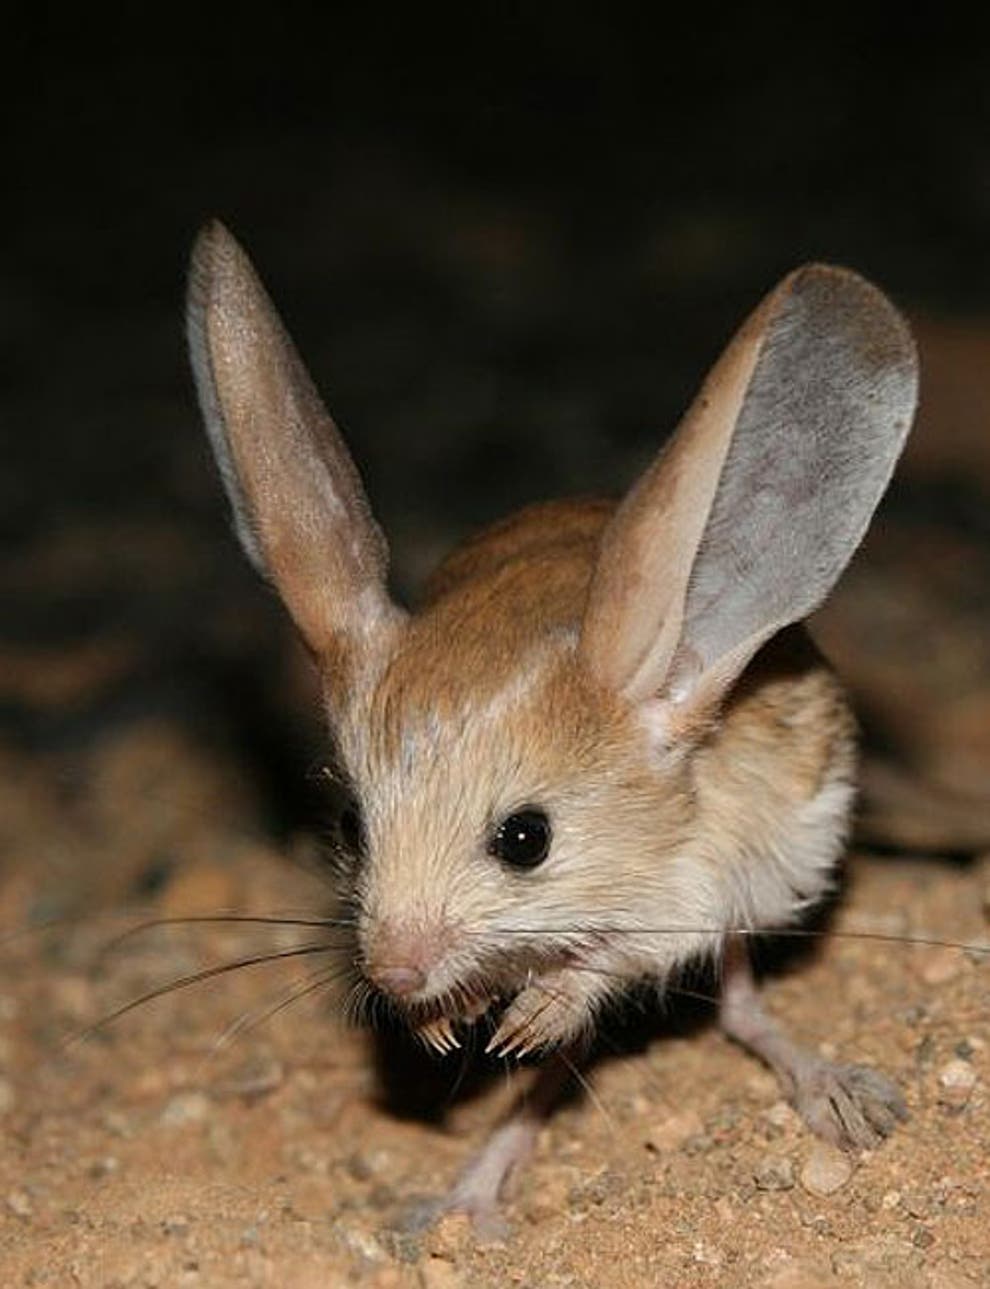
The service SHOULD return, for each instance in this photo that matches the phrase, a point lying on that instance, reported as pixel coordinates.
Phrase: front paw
(547, 1013)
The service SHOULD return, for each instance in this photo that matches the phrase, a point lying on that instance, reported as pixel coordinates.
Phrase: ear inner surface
(800, 425)
(635, 606)
(299, 506)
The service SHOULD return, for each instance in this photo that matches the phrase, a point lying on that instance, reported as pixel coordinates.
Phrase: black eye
(350, 826)
(344, 813)
(522, 839)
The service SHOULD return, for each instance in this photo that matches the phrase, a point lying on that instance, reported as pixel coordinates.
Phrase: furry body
(737, 825)
(603, 744)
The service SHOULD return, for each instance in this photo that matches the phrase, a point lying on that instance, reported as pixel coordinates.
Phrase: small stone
(118, 1124)
(781, 1115)
(956, 1081)
(185, 1107)
(102, 1167)
(19, 1203)
(362, 1243)
(672, 1132)
(939, 966)
(826, 1170)
(774, 1173)
(922, 1238)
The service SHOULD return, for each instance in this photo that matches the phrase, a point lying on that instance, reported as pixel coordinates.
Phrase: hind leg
(849, 1105)
(480, 1187)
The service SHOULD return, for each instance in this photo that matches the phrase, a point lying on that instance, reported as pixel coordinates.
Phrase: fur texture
(608, 666)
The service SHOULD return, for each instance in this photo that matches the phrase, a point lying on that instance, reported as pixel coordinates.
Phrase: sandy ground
(168, 1150)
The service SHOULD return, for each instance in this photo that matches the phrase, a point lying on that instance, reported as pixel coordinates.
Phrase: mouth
(528, 1011)
(531, 1002)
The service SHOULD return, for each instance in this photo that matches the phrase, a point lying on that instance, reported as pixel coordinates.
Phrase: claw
(439, 1035)
(510, 1039)
(539, 1018)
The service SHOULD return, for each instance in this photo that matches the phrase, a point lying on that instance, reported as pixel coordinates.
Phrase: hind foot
(851, 1106)
(480, 1187)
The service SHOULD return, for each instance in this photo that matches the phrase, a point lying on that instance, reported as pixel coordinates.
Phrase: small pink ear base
(299, 506)
(746, 519)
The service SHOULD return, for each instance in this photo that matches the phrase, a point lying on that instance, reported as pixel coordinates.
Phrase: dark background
(509, 240)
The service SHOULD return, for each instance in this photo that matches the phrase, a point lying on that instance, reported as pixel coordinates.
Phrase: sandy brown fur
(504, 616)
(630, 677)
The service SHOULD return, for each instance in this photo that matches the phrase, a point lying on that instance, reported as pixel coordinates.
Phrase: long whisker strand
(194, 978)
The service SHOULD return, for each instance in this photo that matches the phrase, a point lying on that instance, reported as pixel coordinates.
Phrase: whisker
(589, 1090)
(225, 918)
(194, 978)
(257, 1016)
(792, 933)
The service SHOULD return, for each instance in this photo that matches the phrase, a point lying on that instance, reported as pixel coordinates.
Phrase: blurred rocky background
(509, 242)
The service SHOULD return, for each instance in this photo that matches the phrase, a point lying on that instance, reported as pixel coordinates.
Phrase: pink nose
(399, 980)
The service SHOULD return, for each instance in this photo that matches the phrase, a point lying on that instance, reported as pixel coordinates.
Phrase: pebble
(362, 1243)
(19, 1203)
(103, 1167)
(672, 1132)
(781, 1115)
(826, 1170)
(940, 965)
(185, 1107)
(956, 1081)
(774, 1173)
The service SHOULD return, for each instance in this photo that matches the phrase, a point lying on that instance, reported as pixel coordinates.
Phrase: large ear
(744, 522)
(299, 508)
